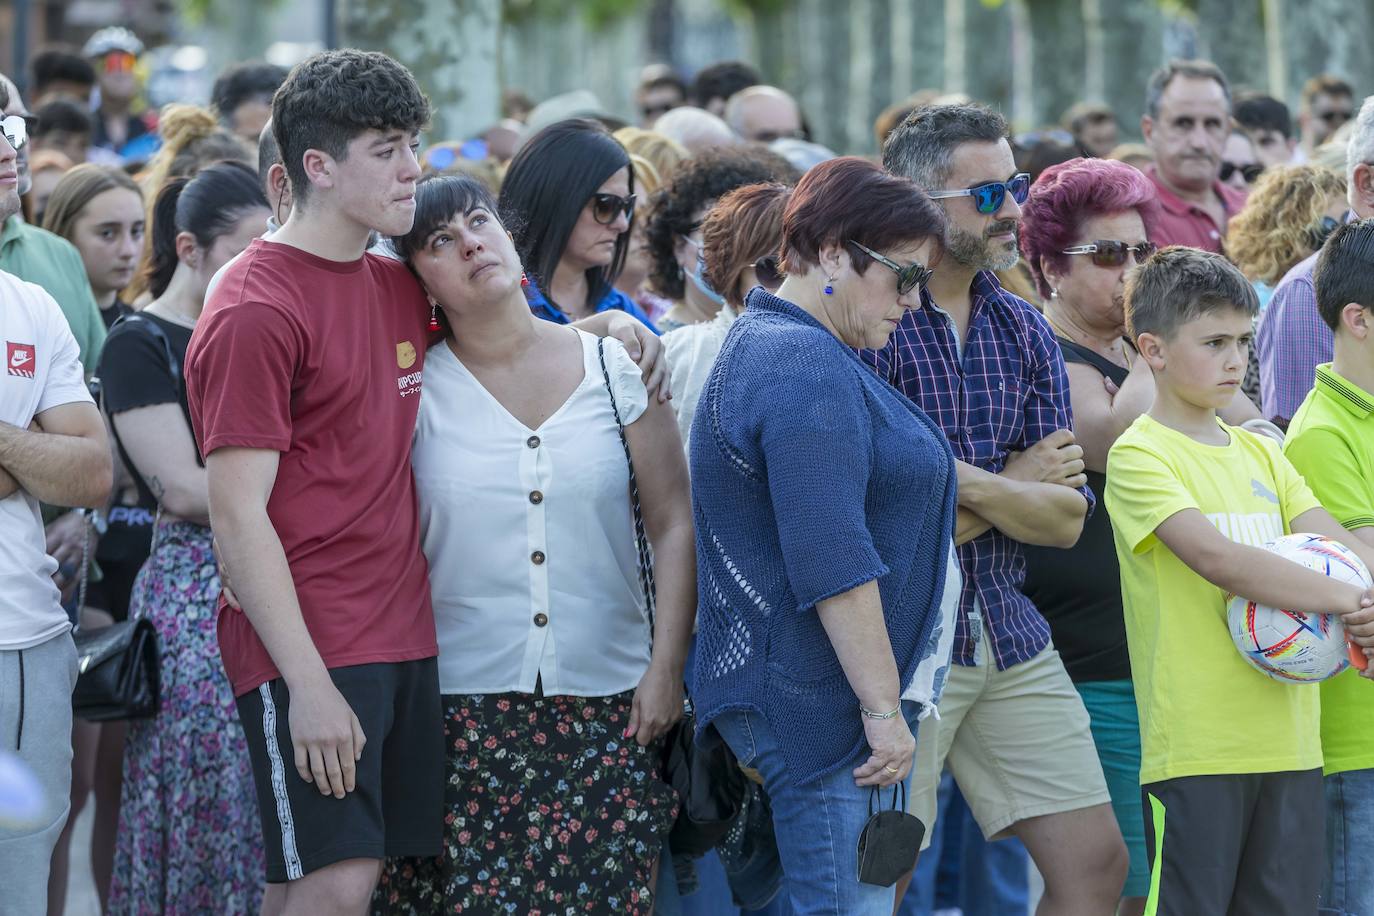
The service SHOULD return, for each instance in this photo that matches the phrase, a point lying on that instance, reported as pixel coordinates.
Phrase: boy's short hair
(1345, 271)
(242, 83)
(61, 115)
(1177, 285)
(332, 97)
(1255, 111)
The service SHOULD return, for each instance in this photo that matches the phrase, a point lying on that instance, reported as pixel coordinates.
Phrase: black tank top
(1079, 589)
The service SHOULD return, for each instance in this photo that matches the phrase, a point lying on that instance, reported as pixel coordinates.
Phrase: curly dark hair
(699, 181)
(244, 82)
(332, 97)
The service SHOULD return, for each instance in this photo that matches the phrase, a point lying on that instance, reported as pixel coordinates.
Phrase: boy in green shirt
(1230, 759)
(1331, 443)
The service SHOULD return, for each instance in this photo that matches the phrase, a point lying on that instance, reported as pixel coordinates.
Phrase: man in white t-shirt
(53, 449)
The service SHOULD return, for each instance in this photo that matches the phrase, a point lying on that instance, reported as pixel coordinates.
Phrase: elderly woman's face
(468, 260)
(1098, 293)
(592, 243)
(866, 308)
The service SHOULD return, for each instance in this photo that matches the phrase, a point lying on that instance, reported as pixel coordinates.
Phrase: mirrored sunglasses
(119, 62)
(908, 277)
(606, 207)
(988, 198)
(16, 130)
(1112, 253)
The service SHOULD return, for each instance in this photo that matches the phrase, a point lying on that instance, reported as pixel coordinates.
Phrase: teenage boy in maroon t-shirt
(304, 379)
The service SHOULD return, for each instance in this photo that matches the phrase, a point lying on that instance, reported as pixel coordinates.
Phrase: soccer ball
(1289, 645)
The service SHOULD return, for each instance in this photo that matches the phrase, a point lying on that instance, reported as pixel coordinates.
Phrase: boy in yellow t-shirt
(1230, 759)
(1331, 442)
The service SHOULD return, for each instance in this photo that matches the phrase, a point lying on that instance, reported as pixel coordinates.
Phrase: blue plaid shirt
(1005, 391)
(614, 299)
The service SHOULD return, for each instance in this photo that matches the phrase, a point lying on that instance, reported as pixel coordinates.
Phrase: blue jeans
(817, 824)
(1349, 885)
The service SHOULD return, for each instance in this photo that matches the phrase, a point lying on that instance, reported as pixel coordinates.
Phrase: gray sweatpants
(36, 725)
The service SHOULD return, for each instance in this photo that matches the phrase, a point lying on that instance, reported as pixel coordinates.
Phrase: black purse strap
(645, 557)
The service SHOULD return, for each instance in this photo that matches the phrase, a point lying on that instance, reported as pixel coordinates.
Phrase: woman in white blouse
(556, 694)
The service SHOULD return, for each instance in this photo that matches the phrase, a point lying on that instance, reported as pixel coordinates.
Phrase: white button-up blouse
(529, 534)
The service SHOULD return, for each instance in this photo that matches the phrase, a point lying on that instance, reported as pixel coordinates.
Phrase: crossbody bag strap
(646, 562)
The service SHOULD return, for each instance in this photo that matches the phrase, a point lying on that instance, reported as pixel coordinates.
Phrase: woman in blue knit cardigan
(824, 504)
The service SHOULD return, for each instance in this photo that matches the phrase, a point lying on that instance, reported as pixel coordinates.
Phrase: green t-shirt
(1331, 442)
(50, 261)
(1203, 709)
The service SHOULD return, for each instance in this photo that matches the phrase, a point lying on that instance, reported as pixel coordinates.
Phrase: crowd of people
(452, 477)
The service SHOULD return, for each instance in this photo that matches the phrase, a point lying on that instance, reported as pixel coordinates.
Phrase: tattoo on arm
(158, 490)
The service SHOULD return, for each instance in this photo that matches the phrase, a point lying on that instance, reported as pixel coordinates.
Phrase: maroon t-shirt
(321, 361)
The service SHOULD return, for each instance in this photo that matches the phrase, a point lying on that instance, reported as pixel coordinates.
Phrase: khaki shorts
(1018, 743)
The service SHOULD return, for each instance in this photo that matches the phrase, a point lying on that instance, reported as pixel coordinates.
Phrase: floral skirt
(549, 810)
(189, 838)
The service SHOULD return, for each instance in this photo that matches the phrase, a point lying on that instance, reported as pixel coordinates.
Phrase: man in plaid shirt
(1292, 338)
(986, 367)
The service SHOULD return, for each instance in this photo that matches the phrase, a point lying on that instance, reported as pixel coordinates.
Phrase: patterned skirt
(549, 810)
(189, 839)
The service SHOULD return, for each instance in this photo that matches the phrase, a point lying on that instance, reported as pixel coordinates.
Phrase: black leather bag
(706, 775)
(709, 784)
(118, 672)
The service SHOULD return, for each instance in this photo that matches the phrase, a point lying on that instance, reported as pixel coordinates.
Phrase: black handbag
(117, 672)
(706, 775)
(890, 841)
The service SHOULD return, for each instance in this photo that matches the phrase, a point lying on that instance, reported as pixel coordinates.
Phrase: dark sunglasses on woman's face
(1251, 171)
(988, 198)
(769, 272)
(606, 207)
(908, 278)
(1112, 253)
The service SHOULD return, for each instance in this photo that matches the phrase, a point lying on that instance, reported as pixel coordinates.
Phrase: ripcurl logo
(20, 359)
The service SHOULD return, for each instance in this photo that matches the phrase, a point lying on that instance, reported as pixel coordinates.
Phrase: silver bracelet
(870, 714)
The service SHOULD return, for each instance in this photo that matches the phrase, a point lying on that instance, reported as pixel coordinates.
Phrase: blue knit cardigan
(810, 477)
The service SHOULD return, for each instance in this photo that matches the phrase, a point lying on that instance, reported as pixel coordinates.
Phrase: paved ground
(81, 898)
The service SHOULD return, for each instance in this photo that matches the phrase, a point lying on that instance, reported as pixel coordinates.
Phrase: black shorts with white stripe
(397, 808)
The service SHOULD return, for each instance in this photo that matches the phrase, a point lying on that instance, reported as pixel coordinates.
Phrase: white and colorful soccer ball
(1293, 646)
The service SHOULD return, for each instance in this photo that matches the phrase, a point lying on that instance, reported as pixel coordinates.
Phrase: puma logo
(1263, 492)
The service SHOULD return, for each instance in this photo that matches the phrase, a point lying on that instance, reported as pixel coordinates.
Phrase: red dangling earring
(524, 279)
(434, 316)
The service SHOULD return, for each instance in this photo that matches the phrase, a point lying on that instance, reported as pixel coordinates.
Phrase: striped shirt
(1004, 392)
(1291, 342)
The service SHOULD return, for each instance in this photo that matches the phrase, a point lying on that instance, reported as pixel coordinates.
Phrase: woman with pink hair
(1086, 223)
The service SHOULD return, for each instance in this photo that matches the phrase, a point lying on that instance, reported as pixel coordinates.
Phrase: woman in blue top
(824, 505)
(569, 198)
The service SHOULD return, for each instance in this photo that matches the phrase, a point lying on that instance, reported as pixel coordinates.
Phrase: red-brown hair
(742, 227)
(852, 200)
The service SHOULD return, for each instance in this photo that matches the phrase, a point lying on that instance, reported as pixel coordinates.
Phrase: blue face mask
(699, 280)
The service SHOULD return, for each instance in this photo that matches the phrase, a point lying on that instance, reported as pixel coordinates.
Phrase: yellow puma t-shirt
(1203, 709)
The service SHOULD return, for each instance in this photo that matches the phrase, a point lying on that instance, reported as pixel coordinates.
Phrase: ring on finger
(891, 769)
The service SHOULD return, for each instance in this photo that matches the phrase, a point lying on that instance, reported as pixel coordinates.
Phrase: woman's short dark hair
(548, 184)
(700, 180)
(742, 227)
(850, 199)
(438, 199)
(207, 206)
